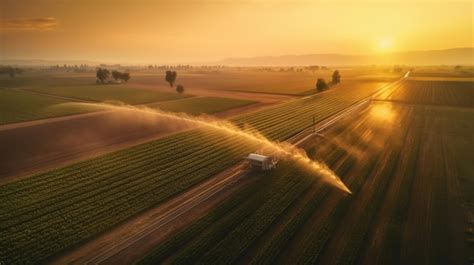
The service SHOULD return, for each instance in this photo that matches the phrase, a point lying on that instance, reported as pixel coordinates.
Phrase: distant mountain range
(433, 57)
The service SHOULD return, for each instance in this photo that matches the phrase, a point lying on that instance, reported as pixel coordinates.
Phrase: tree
(321, 85)
(336, 77)
(102, 74)
(125, 77)
(116, 75)
(171, 77)
(180, 89)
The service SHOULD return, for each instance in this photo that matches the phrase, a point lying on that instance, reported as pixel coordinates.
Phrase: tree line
(103, 74)
(11, 71)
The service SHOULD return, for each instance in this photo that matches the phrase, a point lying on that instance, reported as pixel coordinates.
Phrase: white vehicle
(261, 161)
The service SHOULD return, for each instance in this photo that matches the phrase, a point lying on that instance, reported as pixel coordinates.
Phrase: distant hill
(433, 57)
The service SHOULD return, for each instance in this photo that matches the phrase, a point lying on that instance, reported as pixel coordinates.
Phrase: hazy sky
(202, 30)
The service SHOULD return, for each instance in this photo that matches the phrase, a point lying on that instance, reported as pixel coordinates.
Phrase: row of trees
(321, 84)
(103, 74)
(123, 76)
(11, 71)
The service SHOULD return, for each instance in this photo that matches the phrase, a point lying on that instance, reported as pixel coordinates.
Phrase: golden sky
(206, 30)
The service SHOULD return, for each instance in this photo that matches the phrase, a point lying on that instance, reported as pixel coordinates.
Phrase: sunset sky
(143, 31)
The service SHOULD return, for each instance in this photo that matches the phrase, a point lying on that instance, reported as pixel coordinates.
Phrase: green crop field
(201, 105)
(17, 106)
(101, 93)
(47, 213)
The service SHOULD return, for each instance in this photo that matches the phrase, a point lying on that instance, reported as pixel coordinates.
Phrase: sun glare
(382, 112)
(385, 44)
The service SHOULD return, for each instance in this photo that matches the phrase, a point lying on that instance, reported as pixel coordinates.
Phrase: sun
(385, 44)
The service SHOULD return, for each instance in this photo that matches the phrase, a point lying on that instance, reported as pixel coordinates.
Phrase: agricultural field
(448, 93)
(101, 93)
(401, 211)
(255, 81)
(213, 132)
(286, 215)
(78, 199)
(41, 96)
(464, 71)
(50, 143)
(201, 105)
(17, 106)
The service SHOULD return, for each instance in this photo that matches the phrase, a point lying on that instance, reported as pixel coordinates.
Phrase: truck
(262, 162)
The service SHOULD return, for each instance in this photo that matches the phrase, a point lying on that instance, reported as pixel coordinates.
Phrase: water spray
(280, 149)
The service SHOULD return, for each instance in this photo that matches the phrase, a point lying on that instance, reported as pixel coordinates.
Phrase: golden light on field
(382, 112)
